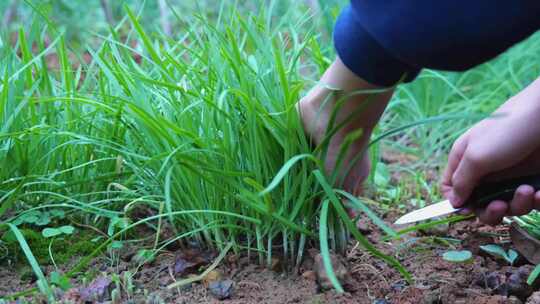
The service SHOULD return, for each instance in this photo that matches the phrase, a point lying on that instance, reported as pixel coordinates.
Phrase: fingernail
(452, 198)
(455, 200)
(465, 211)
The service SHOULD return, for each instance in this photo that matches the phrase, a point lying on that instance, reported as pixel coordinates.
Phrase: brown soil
(484, 280)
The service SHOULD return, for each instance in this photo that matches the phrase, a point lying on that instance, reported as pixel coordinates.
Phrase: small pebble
(514, 300)
(534, 298)
(221, 290)
(399, 286)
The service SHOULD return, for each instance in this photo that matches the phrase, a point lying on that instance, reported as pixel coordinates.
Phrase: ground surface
(367, 280)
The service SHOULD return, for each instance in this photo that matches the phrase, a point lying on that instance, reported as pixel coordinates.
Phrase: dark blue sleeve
(384, 42)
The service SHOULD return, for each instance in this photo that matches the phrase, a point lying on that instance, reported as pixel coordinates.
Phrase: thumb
(465, 178)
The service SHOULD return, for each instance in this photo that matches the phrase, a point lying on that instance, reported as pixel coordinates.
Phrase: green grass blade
(357, 204)
(284, 170)
(352, 228)
(44, 285)
(325, 251)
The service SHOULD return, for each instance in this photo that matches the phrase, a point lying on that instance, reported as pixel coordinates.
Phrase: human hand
(507, 145)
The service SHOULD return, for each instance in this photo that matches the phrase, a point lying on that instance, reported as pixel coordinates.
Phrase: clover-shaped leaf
(51, 232)
(457, 256)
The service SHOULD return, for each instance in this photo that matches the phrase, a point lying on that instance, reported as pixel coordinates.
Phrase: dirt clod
(363, 227)
(310, 275)
(165, 280)
(322, 277)
(433, 297)
(491, 280)
(517, 282)
(276, 264)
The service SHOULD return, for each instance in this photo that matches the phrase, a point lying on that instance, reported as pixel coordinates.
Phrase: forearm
(526, 101)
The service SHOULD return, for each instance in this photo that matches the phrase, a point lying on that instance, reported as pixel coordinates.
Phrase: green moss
(78, 247)
(63, 249)
(26, 273)
(38, 244)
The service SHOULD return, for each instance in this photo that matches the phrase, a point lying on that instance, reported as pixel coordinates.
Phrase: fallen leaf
(525, 244)
(458, 256)
(182, 266)
(211, 277)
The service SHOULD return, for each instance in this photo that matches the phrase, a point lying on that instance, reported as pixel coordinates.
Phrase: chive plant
(202, 129)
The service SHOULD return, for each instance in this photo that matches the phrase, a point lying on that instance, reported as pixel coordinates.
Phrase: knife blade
(431, 211)
(481, 196)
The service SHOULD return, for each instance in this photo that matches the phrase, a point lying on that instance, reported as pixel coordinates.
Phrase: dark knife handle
(504, 190)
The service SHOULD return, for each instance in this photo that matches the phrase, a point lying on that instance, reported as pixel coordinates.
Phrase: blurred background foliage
(81, 20)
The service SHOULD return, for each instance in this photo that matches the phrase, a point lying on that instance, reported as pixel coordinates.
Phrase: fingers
(454, 157)
(493, 213)
(523, 201)
(465, 178)
(537, 200)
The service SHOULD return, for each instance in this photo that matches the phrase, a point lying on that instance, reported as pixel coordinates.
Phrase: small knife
(481, 196)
